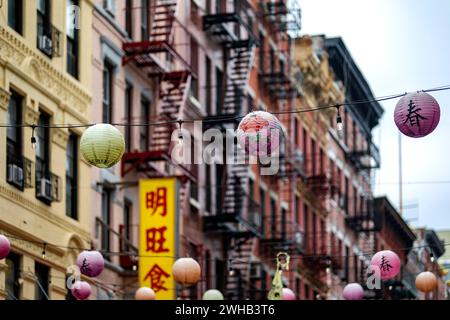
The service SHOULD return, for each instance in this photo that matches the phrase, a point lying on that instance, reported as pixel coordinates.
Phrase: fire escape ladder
(173, 94)
(163, 18)
(237, 283)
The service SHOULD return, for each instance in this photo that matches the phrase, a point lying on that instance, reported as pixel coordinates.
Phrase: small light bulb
(134, 267)
(180, 140)
(33, 142)
(328, 270)
(231, 272)
(432, 259)
(340, 126)
(390, 288)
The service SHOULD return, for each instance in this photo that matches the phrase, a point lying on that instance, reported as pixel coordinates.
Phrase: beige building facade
(44, 80)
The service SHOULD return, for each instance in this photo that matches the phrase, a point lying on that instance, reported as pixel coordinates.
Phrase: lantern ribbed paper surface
(353, 291)
(259, 133)
(5, 246)
(81, 290)
(213, 294)
(145, 293)
(91, 263)
(388, 263)
(426, 281)
(102, 145)
(186, 271)
(417, 114)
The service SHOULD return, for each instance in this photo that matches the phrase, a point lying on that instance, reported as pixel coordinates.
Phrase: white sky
(399, 45)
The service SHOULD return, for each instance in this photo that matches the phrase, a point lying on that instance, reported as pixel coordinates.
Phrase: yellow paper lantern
(102, 145)
(186, 271)
(426, 281)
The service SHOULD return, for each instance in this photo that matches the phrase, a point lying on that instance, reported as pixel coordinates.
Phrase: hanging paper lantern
(426, 281)
(213, 294)
(81, 290)
(353, 291)
(91, 263)
(417, 114)
(288, 294)
(145, 293)
(5, 246)
(259, 133)
(388, 262)
(102, 145)
(186, 271)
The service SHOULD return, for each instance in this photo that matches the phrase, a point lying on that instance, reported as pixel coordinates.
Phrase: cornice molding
(15, 54)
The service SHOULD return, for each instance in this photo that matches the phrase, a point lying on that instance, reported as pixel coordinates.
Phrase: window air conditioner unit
(46, 44)
(15, 174)
(45, 190)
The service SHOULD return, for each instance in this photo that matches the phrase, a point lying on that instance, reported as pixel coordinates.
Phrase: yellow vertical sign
(158, 229)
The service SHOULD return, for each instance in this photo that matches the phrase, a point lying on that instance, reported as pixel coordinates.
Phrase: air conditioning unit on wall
(15, 174)
(46, 45)
(45, 190)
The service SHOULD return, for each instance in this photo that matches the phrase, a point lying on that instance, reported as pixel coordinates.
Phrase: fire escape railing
(365, 219)
(367, 157)
(282, 15)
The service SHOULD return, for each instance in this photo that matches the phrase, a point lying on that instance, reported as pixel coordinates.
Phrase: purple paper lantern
(288, 294)
(388, 263)
(91, 263)
(353, 291)
(417, 114)
(81, 290)
(5, 246)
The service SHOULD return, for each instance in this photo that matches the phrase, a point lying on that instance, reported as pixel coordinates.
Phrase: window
(296, 131)
(194, 64)
(110, 7)
(208, 84)
(107, 92)
(271, 60)
(72, 177)
(261, 52)
(262, 206)
(283, 223)
(72, 40)
(219, 82)
(129, 18)
(42, 278)
(314, 233)
(44, 33)
(144, 130)
(43, 184)
(355, 266)
(273, 212)
(145, 35)
(14, 157)
(127, 222)
(106, 219)
(12, 275)
(313, 156)
(305, 144)
(347, 262)
(15, 15)
(128, 115)
(306, 223)
(208, 189)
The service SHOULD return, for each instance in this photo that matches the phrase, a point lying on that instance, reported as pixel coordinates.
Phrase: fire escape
(161, 59)
(236, 217)
(282, 15)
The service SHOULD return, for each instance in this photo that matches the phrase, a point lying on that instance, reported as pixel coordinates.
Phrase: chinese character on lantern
(155, 240)
(385, 266)
(155, 200)
(155, 275)
(413, 115)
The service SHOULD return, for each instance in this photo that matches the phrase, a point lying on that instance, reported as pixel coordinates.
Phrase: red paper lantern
(417, 114)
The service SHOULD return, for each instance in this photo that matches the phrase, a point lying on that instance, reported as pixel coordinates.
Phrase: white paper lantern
(102, 145)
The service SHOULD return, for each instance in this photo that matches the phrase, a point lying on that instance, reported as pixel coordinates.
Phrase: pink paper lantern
(81, 290)
(145, 293)
(388, 263)
(91, 263)
(288, 294)
(5, 246)
(259, 133)
(353, 291)
(417, 114)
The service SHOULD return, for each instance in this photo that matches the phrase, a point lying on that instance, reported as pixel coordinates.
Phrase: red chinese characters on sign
(157, 199)
(155, 275)
(155, 240)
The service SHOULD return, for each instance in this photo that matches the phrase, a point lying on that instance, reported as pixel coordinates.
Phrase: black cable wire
(221, 118)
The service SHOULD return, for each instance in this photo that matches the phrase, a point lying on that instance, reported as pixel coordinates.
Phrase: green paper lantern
(102, 145)
(213, 294)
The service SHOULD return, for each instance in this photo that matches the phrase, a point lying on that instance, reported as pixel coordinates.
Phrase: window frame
(73, 177)
(17, 14)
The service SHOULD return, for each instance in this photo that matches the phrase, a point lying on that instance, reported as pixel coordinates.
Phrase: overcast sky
(399, 45)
